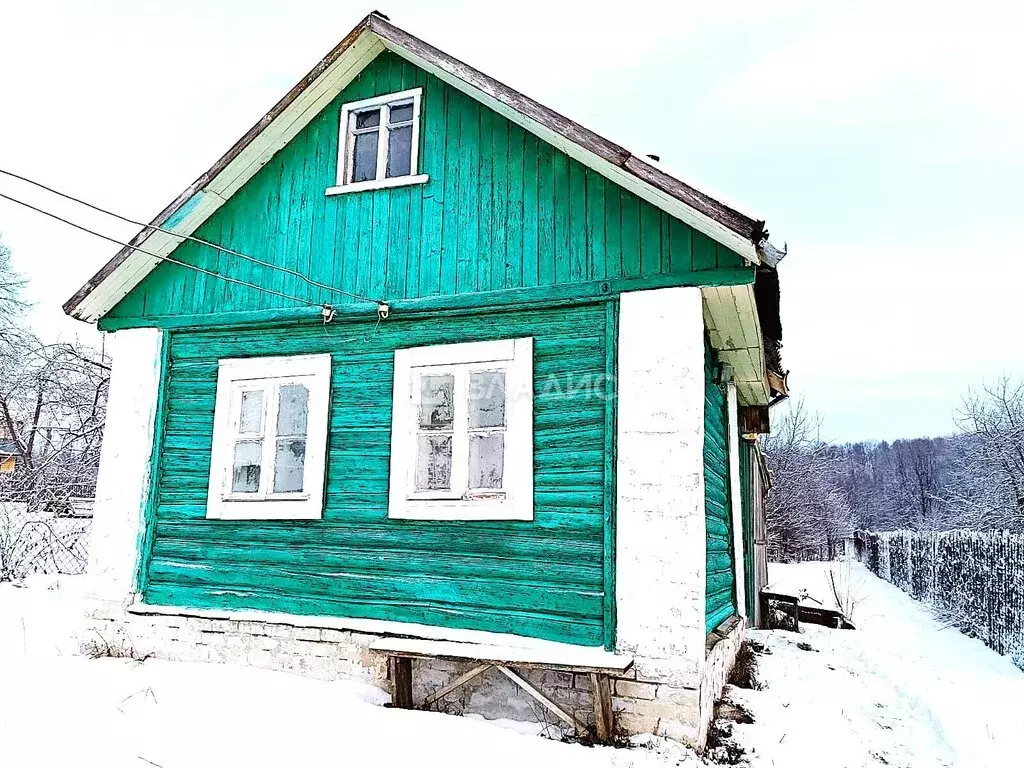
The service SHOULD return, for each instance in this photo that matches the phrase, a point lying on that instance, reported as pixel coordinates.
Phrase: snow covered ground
(58, 709)
(900, 690)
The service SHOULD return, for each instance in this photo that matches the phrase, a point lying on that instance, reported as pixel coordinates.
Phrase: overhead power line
(217, 275)
(201, 241)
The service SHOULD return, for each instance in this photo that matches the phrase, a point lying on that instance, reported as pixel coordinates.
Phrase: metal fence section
(43, 541)
(974, 579)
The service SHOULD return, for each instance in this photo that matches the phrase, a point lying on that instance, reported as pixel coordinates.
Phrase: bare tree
(53, 404)
(52, 409)
(807, 513)
(915, 483)
(994, 418)
(11, 303)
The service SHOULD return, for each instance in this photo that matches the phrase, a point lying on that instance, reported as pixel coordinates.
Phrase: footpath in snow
(900, 690)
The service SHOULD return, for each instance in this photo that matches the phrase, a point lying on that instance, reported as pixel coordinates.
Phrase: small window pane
(437, 394)
(368, 118)
(292, 411)
(434, 463)
(289, 466)
(364, 156)
(400, 151)
(400, 113)
(487, 399)
(486, 460)
(251, 420)
(245, 469)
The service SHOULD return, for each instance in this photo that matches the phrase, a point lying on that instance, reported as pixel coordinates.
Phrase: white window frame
(346, 144)
(236, 375)
(515, 499)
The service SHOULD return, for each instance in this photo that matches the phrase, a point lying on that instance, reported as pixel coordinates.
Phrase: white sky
(881, 140)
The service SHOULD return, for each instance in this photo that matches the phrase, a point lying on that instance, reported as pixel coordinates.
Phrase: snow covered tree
(52, 408)
(807, 513)
(994, 419)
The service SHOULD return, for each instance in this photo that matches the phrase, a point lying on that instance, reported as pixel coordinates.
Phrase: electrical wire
(201, 241)
(217, 275)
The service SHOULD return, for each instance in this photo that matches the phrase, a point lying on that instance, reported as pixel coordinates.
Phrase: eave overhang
(730, 316)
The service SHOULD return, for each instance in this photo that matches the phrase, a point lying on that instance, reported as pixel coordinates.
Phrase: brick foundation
(643, 703)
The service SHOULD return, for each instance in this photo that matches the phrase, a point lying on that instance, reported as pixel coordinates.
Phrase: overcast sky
(881, 141)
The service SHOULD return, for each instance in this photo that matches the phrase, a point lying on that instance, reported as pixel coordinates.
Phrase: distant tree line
(973, 479)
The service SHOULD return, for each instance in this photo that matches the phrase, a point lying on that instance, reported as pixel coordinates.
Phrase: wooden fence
(976, 579)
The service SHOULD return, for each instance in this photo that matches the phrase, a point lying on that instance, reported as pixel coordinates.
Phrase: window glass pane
(251, 420)
(434, 462)
(245, 469)
(368, 118)
(486, 460)
(487, 399)
(289, 465)
(400, 113)
(292, 410)
(400, 151)
(437, 394)
(364, 156)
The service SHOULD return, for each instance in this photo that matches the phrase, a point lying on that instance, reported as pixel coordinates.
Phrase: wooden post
(603, 721)
(401, 679)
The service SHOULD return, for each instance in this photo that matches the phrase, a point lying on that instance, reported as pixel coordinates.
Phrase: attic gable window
(379, 143)
(269, 438)
(462, 432)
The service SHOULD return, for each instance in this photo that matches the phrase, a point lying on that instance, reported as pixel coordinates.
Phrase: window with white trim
(462, 432)
(379, 142)
(270, 438)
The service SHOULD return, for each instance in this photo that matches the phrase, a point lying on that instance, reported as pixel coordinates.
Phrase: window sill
(253, 498)
(264, 510)
(364, 186)
(461, 510)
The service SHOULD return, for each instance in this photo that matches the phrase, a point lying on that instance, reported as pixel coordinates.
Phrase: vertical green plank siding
(502, 210)
(721, 576)
(747, 486)
(549, 578)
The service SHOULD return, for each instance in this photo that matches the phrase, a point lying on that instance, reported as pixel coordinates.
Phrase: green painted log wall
(721, 575)
(502, 210)
(548, 578)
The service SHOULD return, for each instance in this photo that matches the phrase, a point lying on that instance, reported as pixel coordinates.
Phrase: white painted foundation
(123, 483)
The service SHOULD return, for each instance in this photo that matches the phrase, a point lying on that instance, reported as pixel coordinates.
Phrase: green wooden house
(421, 358)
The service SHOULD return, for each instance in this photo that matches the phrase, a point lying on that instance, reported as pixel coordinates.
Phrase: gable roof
(374, 34)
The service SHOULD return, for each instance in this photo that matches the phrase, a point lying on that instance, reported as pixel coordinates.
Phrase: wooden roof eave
(329, 77)
(730, 315)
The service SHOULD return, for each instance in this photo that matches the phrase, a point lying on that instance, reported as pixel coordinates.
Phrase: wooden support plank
(603, 722)
(456, 683)
(541, 656)
(401, 678)
(542, 699)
